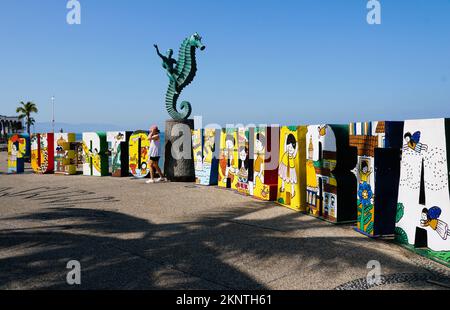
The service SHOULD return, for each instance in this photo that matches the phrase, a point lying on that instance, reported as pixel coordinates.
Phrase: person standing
(155, 151)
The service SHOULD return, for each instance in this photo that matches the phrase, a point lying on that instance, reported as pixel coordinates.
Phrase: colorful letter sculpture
(118, 152)
(138, 149)
(35, 153)
(65, 153)
(17, 150)
(331, 186)
(423, 214)
(245, 164)
(228, 161)
(291, 170)
(378, 171)
(197, 152)
(266, 146)
(206, 158)
(42, 153)
(95, 157)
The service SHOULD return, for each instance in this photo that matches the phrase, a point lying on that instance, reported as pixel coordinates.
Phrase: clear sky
(286, 62)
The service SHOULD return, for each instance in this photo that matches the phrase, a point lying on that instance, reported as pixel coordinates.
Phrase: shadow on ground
(215, 251)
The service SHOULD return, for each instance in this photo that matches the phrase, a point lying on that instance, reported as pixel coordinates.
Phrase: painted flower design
(365, 193)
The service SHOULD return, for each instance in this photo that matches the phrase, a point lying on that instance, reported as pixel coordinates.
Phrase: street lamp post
(53, 114)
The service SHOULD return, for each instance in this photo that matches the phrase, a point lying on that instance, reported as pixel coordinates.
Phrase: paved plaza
(130, 235)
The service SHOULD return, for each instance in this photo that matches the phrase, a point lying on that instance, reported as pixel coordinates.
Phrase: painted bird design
(430, 218)
(413, 142)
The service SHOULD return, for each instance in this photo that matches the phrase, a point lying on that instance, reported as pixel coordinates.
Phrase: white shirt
(155, 145)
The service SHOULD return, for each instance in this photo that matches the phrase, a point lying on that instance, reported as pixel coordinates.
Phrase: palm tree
(25, 110)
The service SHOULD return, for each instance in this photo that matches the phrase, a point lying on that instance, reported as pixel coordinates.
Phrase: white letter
(74, 15)
(374, 15)
(181, 147)
(374, 275)
(74, 276)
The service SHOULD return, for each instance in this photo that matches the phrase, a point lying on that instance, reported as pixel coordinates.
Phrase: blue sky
(287, 62)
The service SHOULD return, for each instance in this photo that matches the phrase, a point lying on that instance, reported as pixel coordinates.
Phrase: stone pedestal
(179, 161)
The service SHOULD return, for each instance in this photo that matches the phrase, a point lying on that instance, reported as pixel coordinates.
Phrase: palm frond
(20, 110)
(31, 107)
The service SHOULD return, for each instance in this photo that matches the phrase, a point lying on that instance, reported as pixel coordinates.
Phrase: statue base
(178, 157)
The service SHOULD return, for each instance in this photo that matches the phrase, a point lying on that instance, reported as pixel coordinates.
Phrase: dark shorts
(156, 159)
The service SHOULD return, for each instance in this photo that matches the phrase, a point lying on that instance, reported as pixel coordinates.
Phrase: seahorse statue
(181, 75)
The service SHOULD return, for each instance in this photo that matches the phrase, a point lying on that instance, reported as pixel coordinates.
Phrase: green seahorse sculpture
(181, 73)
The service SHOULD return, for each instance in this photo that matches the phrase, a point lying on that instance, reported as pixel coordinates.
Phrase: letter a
(74, 275)
(374, 15)
(74, 15)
